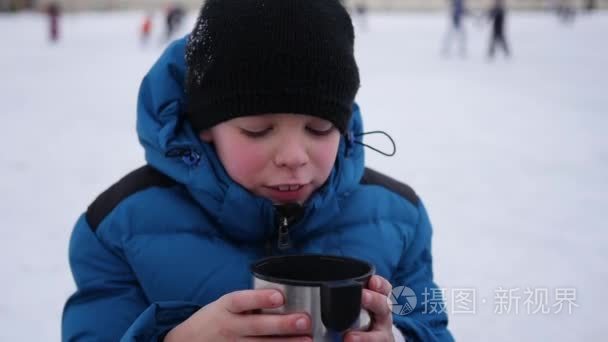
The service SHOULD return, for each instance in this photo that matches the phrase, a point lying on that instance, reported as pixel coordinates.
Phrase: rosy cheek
(326, 155)
(328, 164)
(246, 163)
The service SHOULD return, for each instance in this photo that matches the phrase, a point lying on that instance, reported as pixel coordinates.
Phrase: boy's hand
(229, 319)
(375, 299)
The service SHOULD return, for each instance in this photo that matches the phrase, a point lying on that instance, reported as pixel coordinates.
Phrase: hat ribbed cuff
(204, 114)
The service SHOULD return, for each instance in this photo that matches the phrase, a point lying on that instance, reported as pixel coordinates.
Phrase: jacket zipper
(284, 240)
(285, 216)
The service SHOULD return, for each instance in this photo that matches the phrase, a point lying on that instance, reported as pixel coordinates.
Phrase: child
(248, 129)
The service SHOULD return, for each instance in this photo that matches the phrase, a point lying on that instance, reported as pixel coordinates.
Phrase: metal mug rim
(310, 283)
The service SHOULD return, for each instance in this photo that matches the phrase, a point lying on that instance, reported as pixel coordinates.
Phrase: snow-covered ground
(510, 157)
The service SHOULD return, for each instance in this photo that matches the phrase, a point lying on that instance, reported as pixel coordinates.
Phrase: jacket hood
(172, 147)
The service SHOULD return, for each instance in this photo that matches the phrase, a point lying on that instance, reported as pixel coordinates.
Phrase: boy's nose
(291, 154)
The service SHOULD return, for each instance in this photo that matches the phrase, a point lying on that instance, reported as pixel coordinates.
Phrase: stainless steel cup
(328, 288)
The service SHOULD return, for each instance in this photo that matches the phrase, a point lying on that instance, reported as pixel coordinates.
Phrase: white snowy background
(510, 157)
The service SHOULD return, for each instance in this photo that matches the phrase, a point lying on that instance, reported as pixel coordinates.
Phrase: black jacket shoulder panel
(143, 178)
(372, 177)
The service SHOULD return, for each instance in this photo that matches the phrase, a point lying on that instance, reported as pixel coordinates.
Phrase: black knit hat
(248, 57)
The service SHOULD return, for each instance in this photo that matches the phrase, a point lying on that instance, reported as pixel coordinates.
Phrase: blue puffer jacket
(179, 233)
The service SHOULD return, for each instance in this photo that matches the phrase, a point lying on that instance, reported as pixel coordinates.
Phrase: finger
(378, 305)
(381, 285)
(277, 339)
(272, 325)
(371, 336)
(242, 301)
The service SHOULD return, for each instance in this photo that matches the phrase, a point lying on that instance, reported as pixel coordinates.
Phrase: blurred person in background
(590, 5)
(497, 16)
(53, 12)
(146, 28)
(174, 18)
(565, 11)
(361, 12)
(457, 11)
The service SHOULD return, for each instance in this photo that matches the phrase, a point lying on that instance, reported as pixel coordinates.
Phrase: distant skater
(456, 29)
(146, 29)
(497, 15)
(361, 10)
(174, 18)
(53, 13)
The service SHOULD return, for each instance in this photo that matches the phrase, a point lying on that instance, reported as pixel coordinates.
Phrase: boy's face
(283, 157)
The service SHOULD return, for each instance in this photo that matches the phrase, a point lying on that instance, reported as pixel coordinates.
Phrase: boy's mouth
(283, 193)
(288, 187)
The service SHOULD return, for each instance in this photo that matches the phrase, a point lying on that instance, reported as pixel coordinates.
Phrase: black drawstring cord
(353, 136)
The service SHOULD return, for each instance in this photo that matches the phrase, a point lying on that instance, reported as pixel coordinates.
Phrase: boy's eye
(320, 131)
(255, 133)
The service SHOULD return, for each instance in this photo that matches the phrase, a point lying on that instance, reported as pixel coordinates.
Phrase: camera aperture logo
(406, 304)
